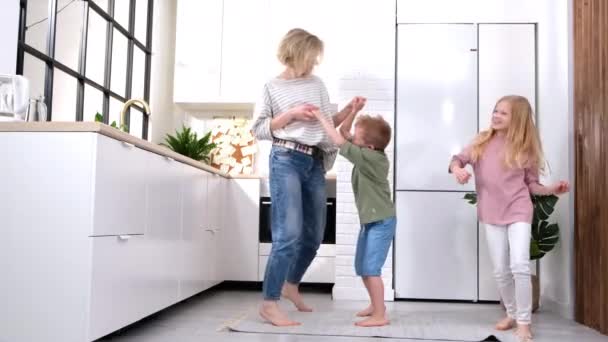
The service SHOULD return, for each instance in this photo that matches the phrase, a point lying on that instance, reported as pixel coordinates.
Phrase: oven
(329, 238)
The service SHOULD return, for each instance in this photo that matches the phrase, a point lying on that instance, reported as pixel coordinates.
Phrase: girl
(300, 156)
(506, 160)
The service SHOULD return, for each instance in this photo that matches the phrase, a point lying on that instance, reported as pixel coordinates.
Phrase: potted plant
(545, 235)
(187, 143)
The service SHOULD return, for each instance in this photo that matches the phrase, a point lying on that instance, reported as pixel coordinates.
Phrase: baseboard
(350, 293)
(562, 309)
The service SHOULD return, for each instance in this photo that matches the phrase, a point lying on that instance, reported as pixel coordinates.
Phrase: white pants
(509, 248)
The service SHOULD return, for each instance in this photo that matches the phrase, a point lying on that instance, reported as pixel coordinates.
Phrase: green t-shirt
(370, 183)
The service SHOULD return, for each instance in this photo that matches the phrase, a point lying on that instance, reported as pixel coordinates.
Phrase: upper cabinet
(221, 51)
(198, 50)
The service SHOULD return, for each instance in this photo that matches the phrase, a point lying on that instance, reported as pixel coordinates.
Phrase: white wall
(553, 107)
(9, 28)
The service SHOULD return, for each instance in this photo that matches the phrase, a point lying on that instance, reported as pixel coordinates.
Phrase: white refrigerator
(448, 79)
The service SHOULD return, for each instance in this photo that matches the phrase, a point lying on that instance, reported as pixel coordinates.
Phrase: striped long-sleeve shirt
(279, 96)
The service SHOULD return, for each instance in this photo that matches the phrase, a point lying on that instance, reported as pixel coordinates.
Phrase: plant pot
(535, 294)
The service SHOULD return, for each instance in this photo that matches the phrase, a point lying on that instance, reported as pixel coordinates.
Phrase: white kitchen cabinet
(193, 274)
(45, 220)
(220, 54)
(163, 225)
(198, 51)
(63, 283)
(240, 235)
(245, 50)
(435, 246)
(215, 205)
(122, 289)
(120, 188)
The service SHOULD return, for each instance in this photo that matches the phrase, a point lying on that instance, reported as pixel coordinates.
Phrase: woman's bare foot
(373, 321)
(506, 323)
(291, 292)
(271, 312)
(523, 333)
(366, 312)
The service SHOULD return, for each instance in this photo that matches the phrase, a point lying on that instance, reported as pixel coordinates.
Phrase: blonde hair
(524, 148)
(300, 51)
(376, 131)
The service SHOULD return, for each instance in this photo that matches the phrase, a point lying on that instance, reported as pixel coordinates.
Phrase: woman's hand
(304, 112)
(356, 104)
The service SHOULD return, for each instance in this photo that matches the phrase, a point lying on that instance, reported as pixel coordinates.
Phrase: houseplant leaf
(187, 143)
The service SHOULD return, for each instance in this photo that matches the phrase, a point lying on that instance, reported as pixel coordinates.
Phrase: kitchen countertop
(110, 132)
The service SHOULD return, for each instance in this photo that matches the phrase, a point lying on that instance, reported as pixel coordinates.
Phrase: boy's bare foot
(271, 312)
(523, 333)
(291, 292)
(373, 321)
(366, 312)
(506, 323)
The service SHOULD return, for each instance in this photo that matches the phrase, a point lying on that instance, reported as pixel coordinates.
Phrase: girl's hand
(560, 187)
(462, 175)
(303, 112)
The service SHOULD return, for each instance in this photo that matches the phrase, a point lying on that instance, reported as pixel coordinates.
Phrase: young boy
(373, 198)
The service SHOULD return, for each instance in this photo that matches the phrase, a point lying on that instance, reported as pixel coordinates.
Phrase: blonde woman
(507, 159)
(300, 156)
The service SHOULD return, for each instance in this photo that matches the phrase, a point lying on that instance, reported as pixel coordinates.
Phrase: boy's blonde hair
(300, 50)
(376, 131)
(524, 148)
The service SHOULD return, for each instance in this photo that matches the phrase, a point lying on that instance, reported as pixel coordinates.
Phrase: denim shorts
(374, 241)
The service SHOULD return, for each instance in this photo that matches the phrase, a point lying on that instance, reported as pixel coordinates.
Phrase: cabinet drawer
(120, 188)
(120, 290)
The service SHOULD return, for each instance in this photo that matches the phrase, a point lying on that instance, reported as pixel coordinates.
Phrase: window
(88, 56)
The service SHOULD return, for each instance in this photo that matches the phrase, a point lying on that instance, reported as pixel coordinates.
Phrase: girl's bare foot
(373, 321)
(506, 323)
(366, 312)
(523, 333)
(291, 292)
(271, 312)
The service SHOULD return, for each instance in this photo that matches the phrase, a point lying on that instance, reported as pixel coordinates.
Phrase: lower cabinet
(122, 283)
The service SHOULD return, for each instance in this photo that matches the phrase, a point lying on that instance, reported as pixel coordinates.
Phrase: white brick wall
(359, 60)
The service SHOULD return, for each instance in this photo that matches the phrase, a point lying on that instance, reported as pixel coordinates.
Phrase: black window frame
(112, 25)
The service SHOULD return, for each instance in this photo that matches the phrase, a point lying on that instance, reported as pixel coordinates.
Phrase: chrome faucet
(128, 104)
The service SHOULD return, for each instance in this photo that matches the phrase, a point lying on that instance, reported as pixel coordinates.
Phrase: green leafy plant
(99, 118)
(188, 144)
(545, 235)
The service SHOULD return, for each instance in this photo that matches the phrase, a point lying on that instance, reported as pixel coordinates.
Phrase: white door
(163, 225)
(198, 50)
(435, 246)
(507, 63)
(436, 102)
(245, 49)
(193, 273)
(240, 235)
(120, 188)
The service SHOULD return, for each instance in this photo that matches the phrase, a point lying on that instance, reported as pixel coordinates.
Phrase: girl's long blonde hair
(524, 148)
(300, 50)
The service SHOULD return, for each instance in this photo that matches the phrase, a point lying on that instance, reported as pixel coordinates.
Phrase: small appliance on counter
(14, 97)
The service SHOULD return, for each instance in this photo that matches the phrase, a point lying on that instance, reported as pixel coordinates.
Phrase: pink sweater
(503, 194)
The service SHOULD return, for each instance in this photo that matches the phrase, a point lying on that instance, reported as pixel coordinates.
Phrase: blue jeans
(372, 246)
(297, 190)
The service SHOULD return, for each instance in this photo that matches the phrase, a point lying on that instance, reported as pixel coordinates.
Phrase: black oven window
(265, 221)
